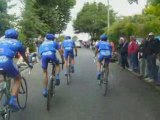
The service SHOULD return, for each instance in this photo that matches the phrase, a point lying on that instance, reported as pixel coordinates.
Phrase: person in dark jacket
(152, 49)
(124, 53)
(142, 59)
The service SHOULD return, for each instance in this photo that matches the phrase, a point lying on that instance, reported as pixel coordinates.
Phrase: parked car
(78, 44)
(158, 37)
(139, 40)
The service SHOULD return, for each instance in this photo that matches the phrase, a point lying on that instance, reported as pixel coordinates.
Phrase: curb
(150, 83)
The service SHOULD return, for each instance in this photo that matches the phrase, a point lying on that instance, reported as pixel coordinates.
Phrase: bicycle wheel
(23, 94)
(48, 99)
(4, 107)
(51, 92)
(105, 83)
(69, 74)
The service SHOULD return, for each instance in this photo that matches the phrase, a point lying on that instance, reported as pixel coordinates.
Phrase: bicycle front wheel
(4, 107)
(23, 94)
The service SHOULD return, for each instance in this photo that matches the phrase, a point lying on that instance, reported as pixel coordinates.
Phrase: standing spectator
(119, 49)
(124, 53)
(132, 53)
(27, 52)
(142, 59)
(113, 46)
(152, 49)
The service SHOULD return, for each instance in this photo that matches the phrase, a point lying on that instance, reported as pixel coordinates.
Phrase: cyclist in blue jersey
(47, 51)
(104, 51)
(68, 47)
(9, 46)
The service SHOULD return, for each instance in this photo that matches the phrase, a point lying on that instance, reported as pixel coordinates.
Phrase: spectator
(33, 57)
(152, 49)
(124, 53)
(142, 59)
(132, 53)
(27, 52)
(113, 46)
(119, 48)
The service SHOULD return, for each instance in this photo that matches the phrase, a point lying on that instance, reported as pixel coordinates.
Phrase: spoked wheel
(48, 99)
(7, 113)
(23, 94)
(105, 83)
(51, 92)
(4, 108)
(68, 75)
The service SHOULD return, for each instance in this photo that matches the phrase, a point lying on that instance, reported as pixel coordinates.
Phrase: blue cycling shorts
(8, 66)
(102, 57)
(46, 57)
(68, 53)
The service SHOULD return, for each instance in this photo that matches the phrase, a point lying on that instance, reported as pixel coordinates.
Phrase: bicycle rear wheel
(68, 75)
(51, 92)
(23, 94)
(105, 83)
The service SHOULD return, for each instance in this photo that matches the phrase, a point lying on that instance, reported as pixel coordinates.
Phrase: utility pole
(108, 17)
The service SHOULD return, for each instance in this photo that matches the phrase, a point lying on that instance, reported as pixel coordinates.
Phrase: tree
(5, 21)
(44, 16)
(92, 19)
(132, 1)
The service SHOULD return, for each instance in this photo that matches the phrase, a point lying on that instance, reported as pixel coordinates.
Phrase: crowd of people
(142, 58)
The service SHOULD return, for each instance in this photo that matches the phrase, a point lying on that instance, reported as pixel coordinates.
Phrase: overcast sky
(122, 7)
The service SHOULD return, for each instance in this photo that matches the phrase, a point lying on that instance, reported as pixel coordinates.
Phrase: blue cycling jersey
(9, 47)
(103, 45)
(68, 45)
(105, 48)
(49, 45)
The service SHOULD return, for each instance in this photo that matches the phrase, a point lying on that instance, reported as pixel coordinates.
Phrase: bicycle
(103, 83)
(5, 86)
(51, 85)
(69, 70)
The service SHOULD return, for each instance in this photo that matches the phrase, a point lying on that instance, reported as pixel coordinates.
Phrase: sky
(121, 7)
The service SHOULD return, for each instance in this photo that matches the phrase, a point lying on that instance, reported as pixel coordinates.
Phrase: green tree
(5, 19)
(92, 19)
(40, 17)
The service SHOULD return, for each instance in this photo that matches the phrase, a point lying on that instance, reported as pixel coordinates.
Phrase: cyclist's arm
(22, 51)
(60, 50)
(96, 52)
(25, 58)
(97, 49)
(76, 50)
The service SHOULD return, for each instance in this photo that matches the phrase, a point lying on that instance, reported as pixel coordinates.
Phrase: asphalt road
(128, 98)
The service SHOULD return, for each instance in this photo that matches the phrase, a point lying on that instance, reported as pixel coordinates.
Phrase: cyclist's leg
(54, 59)
(66, 54)
(12, 71)
(45, 60)
(107, 60)
(100, 58)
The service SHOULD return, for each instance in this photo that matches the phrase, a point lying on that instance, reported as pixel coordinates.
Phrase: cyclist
(104, 51)
(9, 46)
(47, 51)
(68, 45)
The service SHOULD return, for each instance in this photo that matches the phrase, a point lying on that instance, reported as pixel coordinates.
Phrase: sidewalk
(136, 73)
